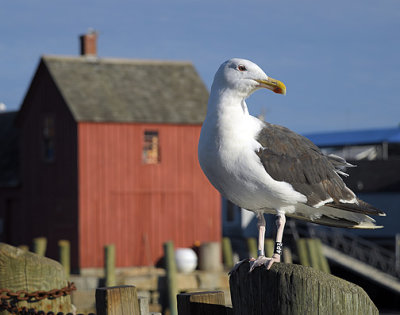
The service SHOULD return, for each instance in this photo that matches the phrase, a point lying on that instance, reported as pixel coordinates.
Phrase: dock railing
(352, 245)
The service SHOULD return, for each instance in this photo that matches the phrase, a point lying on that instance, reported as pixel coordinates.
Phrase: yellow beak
(273, 85)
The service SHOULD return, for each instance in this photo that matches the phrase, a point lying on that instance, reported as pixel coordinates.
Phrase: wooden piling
(117, 300)
(287, 255)
(295, 289)
(144, 305)
(312, 253)
(26, 271)
(170, 266)
(39, 246)
(210, 256)
(24, 248)
(109, 265)
(252, 247)
(322, 261)
(269, 247)
(64, 256)
(202, 303)
(227, 253)
(302, 252)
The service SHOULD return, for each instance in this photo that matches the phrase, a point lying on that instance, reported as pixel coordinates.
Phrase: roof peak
(115, 60)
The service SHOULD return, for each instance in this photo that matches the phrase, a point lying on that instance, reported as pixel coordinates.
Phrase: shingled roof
(125, 90)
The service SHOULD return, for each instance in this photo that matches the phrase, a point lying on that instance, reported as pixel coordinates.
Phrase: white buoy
(186, 260)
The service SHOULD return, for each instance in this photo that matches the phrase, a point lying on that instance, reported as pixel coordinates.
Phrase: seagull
(267, 168)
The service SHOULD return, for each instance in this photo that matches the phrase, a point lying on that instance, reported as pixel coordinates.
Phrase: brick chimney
(89, 44)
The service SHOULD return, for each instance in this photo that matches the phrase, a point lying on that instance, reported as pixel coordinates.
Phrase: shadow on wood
(295, 289)
(117, 300)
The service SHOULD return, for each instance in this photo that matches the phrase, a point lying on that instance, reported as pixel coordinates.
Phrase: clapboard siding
(139, 206)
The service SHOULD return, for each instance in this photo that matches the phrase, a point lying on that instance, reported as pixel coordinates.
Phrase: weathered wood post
(40, 245)
(109, 265)
(252, 247)
(227, 252)
(170, 266)
(302, 252)
(312, 253)
(322, 261)
(210, 256)
(202, 303)
(295, 289)
(287, 255)
(269, 247)
(144, 305)
(64, 253)
(117, 301)
(24, 247)
(25, 271)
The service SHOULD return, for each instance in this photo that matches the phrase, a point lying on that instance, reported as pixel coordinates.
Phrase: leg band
(278, 248)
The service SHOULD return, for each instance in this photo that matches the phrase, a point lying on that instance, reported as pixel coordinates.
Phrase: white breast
(227, 155)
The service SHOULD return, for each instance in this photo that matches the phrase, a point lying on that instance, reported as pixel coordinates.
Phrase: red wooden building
(108, 154)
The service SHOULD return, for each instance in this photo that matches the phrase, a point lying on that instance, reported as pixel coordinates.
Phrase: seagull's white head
(244, 77)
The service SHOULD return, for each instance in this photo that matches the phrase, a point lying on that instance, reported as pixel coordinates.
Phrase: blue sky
(340, 60)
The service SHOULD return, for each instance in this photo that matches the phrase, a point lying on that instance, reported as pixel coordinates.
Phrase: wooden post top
(295, 289)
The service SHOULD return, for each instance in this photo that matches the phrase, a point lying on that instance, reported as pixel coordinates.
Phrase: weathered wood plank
(23, 270)
(117, 301)
(295, 289)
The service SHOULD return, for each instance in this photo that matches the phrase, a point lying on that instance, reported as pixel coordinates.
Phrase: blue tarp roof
(357, 137)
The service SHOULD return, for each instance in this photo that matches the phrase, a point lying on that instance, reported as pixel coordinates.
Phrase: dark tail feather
(335, 222)
(362, 207)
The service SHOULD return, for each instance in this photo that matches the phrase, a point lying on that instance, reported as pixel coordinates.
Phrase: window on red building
(151, 147)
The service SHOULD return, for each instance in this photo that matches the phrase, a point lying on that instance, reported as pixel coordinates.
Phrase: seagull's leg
(276, 257)
(261, 233)
(261, 259)
(280, 224)
(260, 252)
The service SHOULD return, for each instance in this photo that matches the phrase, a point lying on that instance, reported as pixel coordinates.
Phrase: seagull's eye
(241, 68)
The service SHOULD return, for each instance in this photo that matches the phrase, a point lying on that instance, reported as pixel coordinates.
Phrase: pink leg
(261, 259)
(280, 224)
(261, 233)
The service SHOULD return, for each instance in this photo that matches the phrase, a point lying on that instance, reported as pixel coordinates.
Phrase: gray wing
(292, 158)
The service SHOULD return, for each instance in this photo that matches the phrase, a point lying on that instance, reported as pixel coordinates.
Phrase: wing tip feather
(367, 227)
